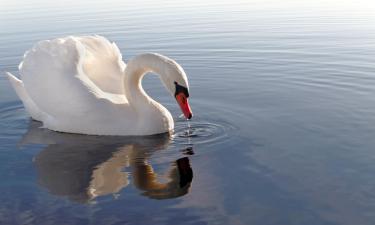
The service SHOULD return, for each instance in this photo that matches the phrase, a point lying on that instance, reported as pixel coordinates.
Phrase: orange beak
(184, 105)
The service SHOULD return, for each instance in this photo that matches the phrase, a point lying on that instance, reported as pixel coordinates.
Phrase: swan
(80, 84)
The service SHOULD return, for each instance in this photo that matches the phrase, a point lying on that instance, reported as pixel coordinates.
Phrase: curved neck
(134, 72)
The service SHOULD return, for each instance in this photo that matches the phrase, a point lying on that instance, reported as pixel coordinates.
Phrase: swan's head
(175, 80)
(170, 72)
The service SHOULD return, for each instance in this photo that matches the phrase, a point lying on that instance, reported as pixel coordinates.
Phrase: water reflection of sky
(292, 80)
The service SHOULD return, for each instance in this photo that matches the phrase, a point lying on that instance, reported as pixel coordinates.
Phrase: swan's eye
(181, 89)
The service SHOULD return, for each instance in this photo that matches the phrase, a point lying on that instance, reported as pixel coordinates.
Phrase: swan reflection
(82, 168)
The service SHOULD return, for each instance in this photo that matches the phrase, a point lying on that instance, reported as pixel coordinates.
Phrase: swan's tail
(30, 106)
(17, 85)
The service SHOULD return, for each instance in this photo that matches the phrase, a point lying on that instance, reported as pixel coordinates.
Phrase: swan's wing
(53, 77)
(103, 63)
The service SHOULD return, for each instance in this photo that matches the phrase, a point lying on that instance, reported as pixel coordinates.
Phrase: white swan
(81, 85)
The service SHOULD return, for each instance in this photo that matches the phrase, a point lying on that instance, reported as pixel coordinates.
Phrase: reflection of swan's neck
(145, 178)
(134, 72)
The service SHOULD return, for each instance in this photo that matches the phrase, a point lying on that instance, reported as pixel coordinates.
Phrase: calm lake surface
(283, 94)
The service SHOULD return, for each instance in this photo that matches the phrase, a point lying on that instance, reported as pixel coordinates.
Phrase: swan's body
(81, 85)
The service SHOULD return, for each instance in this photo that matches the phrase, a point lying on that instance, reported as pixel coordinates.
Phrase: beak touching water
(184, 105)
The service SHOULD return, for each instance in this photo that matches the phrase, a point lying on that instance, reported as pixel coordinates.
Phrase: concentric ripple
(11, 115)
(201, 132)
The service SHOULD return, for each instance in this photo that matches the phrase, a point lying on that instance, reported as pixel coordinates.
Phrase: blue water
(283, 94)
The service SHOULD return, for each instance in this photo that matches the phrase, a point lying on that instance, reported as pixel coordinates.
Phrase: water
(283, 133)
